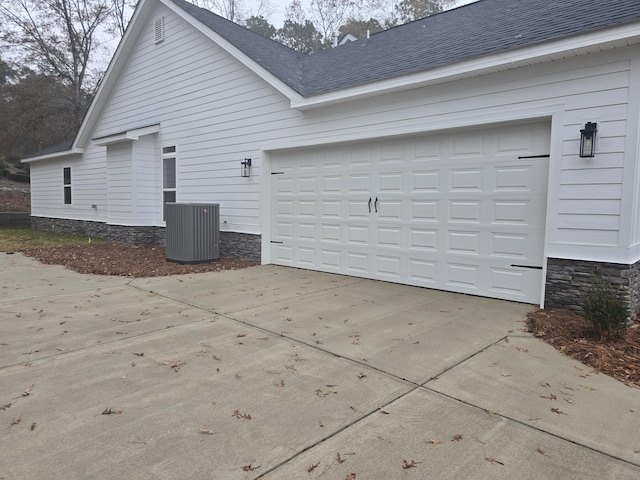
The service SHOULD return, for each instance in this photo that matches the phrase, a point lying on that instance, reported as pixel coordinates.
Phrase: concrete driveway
(280, 373)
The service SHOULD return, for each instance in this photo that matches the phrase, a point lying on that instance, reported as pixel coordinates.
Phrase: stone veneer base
(568, 280)
(232, 244)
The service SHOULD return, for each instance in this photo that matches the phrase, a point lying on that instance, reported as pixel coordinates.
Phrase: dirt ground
(113, 259)
(568, 332)
(576, 338)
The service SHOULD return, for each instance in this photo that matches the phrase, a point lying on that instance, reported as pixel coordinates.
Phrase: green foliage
(410, 10)
(605, 308)
(12, 239)
(359, 28)
(301, 37)
(262, 26)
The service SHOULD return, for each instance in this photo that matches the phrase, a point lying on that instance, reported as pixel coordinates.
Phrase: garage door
(462, 211)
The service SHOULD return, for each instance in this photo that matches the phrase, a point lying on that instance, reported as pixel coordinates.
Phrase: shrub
(605, 308)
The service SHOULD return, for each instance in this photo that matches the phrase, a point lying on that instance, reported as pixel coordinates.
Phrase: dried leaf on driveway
(244, 416)
(5, 406)
(111, 411)
(250, 468)
(493, 460)
(412, 464)
(207, 431)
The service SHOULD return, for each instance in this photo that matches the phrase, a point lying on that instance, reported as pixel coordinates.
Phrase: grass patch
(13, 239)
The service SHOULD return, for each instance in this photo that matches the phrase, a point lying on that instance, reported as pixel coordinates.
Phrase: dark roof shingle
(482, 28)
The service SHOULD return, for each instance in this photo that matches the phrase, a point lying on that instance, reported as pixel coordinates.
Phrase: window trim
(168, 152)
(66, 186)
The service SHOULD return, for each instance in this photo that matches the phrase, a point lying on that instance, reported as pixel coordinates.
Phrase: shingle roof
(60, 147)
(481, 28)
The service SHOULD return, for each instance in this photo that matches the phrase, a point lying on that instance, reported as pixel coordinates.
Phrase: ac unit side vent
(193, 232)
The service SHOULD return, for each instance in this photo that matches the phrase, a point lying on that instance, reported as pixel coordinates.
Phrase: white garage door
(462, 211)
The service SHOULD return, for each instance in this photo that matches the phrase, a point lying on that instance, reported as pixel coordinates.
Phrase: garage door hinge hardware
(273, 241)
(527, 266)
(277, 173)
(534, 156)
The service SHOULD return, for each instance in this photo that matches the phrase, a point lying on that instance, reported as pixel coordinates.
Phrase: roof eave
(608, 39)
(54, 156)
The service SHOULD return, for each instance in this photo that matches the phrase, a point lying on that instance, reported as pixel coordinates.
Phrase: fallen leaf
(413, 464)
(383, 439)
(361, 375)
(550, 397)
(493, 460)
(15, 421)
(587, 387)
(313, 467)
(5, 406)
(207, 431)
(111, 411)
(433, 442)
(250, 468)
(33, 426)
(139, 354)
(339, 459)
(279, 384)
(542, 452)
(558, 411)
(239, 415)
(351, 476)
(27, 391)
(355, 410)
(524, 350)
(456, 438)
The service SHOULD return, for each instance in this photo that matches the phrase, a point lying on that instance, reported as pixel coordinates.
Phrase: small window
(66, 182)
(158, 29)
(169, 181)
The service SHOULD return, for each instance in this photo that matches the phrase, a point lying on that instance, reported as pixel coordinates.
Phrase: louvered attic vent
(158, 29)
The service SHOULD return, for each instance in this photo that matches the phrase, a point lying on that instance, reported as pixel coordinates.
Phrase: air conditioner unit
(193, 232)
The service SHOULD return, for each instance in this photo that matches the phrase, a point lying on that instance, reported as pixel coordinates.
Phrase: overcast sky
(277, 18)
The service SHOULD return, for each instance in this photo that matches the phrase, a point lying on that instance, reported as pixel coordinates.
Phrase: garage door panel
(424, 239)
(468, 180)
(457, 211)
(465, 211)
(425, 210)
(425, 181)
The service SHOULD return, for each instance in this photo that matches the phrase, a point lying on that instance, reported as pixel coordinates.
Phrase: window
(66, 183)
(168, 177)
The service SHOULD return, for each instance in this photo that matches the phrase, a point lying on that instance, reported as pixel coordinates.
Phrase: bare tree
(237, 10)
(59, 38)
(329, 15)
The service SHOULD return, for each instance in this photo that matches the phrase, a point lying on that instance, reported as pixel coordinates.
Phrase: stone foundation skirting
(232, 244)
(568, 280)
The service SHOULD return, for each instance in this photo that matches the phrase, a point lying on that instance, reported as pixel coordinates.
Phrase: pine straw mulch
(121, 260)
(575, 337)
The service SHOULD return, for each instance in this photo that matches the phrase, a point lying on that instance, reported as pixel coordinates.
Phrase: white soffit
(128, 136)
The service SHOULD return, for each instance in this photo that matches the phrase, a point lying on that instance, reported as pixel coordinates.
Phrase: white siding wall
(119, 183)
(147, 181)
(218, 112)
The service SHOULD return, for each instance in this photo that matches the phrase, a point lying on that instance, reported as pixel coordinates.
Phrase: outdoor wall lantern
(588, 140)
(245, 168)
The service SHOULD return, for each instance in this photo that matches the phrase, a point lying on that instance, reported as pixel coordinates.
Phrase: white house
(444, 153)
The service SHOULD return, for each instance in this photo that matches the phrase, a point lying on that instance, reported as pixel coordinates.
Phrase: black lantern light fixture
(588, 140)
(245, 168)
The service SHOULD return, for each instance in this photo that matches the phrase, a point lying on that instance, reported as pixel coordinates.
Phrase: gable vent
(158, 29)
